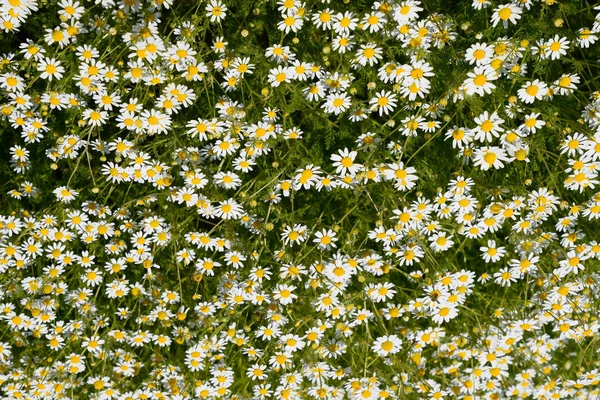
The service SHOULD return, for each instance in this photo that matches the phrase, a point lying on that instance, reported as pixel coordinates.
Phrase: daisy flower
(323, 19)
(336, 103)
(532, 91)
(229, 209)
(343, 43)
(478, 81)
(406, 11)
(325, 239)
(532, 123)
(373, 21)
(344, 23)
(385, 345)
(291, 22)
(64, 194)
(369, 54)
(487, 157)
(50, 69)
(557, 47)
(344, 162)
(565, 85)
(480, 54)
(506, 13)
(586, 37)
(384, 102)
(488, 127)
(295, 234)
(215, 10)
(444, 313)
(491, 252)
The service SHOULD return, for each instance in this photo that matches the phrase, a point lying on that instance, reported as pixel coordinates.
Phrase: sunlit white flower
(386, 345)
(506, 13)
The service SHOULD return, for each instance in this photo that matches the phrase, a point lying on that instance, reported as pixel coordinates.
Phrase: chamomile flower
(488, 127)
(284, 294)
(505, 277)
(416, 89)
(325, 239)
(92, 277)
(532, 90)
(566, 84)
(506, 13)
(50, 69)
(323, 19)
(479, 81)
(294, 235)
(381, 291)
(460, 136)
(407, 11)
(279, 75)
(229, 209)
(586, 37)
(531, 123)
(444, 313)
(369, 54)
(557, 47)
(29, 49)
(573, 144)
(480, 54)
(216, 11)
(343, 43)
(336, 103)
(440, 242)
(291, 22)
(155, 122)
(385, 345)
(488, 157)
(492, 252)
(383, 102)
(344, 23)
(65, 194)
(344, 162)
(373, 21)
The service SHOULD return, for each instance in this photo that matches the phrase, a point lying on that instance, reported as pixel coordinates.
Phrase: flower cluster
(299, 200)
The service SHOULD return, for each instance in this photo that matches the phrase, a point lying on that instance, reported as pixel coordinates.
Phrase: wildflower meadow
(299, 199)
